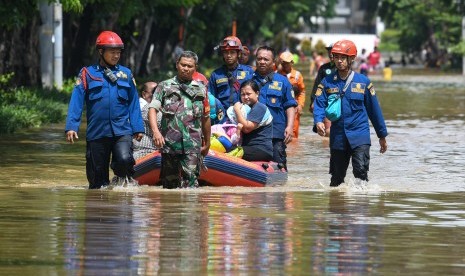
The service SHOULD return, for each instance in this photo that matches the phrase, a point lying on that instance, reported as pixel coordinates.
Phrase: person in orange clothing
(286, 61)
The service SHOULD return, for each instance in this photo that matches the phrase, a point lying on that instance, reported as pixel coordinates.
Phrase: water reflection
(109, 240)
(179, 232)
(151, 232)
(344, 250)
(123, 234)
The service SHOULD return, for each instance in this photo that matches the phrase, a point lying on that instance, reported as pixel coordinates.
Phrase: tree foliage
(434, 25)
(149, 28)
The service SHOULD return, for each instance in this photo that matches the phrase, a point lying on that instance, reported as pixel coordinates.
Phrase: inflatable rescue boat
(222, 170)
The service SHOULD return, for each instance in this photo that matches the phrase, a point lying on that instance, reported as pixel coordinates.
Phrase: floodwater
(408, 219)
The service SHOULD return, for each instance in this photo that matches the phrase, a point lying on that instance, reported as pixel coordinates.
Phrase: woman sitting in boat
(257, 129)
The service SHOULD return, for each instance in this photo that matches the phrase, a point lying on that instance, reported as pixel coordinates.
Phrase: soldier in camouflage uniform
(184, 135)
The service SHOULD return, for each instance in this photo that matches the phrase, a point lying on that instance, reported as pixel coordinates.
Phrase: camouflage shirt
(182, 106)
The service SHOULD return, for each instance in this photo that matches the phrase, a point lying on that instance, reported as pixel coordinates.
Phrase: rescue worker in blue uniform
(113, 114)
(276, 92)
(350, 134)
(225, 81)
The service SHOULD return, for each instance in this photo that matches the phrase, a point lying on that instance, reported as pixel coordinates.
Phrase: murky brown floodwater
(409, 219)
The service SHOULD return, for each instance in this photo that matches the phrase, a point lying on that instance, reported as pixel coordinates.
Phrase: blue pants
(98, 159)
(339, 162)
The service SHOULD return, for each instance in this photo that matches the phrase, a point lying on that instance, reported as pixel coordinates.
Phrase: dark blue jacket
(113, 109)
(359, 104)
(219, 84)
(276, 93)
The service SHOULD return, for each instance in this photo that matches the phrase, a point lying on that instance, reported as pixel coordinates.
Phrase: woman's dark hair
(252, 84)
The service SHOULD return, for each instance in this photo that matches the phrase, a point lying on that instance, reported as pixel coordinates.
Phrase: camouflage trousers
(180, 170)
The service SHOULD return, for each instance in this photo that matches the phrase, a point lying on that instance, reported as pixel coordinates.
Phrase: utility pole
(234, 28)
(46, 44)
(461, 10)
(51, 45)
(58, 45)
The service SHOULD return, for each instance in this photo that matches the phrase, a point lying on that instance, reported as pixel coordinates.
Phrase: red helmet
(231, 43)
(200, 78)
(108, 39)
(344, 47)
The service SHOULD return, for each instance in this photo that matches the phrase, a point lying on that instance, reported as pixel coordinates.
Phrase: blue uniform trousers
(339, 162)
(98, 159)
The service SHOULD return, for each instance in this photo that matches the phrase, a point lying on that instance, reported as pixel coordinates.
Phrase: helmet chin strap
(105, 64)
(102, 59)
(106, 70)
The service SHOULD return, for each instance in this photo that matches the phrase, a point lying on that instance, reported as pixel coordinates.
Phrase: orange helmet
(231, 43)
(344, 47)
(200, 78)
(108, 39)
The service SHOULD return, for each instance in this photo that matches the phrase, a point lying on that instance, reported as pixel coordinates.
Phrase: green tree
(434, 25)
(150, 30)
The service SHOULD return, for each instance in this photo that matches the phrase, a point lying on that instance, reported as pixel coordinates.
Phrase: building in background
(348, 23)
(349, 19)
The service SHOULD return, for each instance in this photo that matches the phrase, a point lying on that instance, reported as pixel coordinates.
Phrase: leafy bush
(14, 117)
(320, 47)
(389, 41)
(306, 47)
(23, 108)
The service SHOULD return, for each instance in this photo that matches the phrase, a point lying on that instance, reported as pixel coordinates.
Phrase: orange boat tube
(223, 170)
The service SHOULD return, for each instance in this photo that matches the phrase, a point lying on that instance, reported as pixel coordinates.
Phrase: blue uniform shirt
(113, 109)
(220, 88)
(277, 95)
(359, 104)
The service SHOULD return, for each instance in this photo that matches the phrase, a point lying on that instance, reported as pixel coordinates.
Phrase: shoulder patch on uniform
(319, 91)
(276, 85)
(320, 85)
(357, 87)
(372, 91)
(121, 75)
(78, 81)
(222, 80)
(241, 75)
(332, 90)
